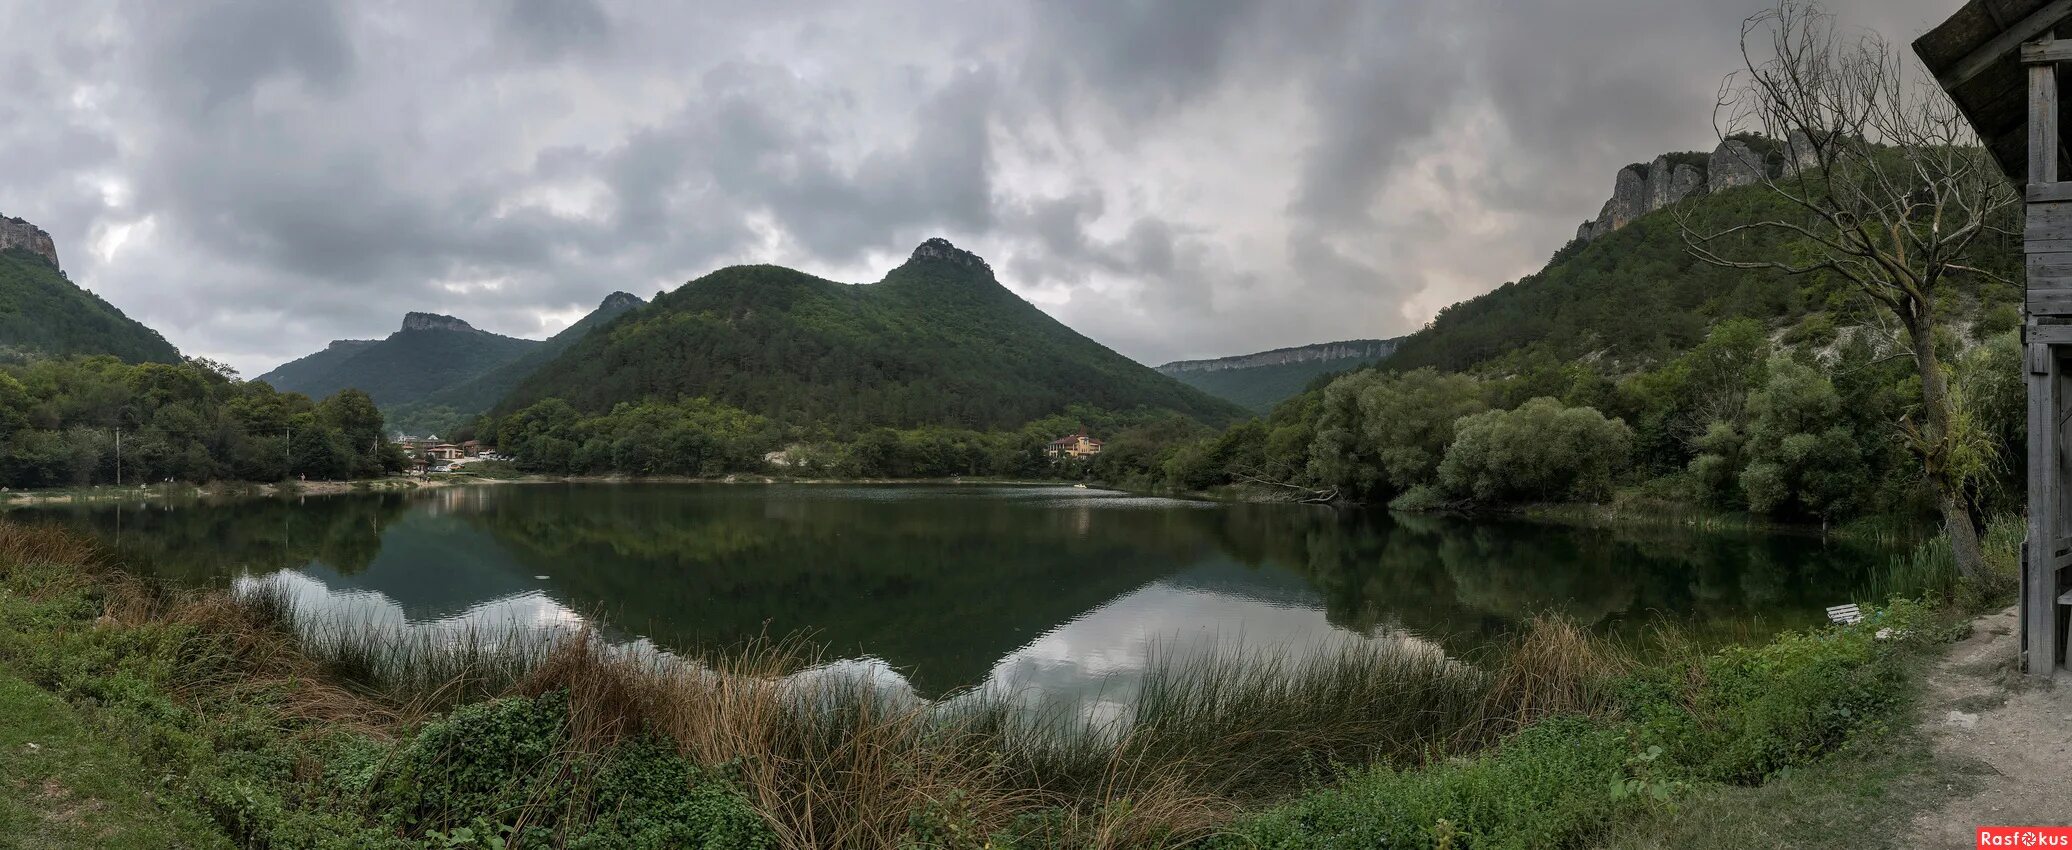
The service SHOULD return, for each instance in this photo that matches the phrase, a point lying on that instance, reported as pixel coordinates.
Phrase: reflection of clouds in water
(1042, 496)
(1088, 669)
(1092, 666)
(327, 613)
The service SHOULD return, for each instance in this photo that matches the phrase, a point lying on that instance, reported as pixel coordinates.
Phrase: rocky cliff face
(17, 233)
(1732, 164)
(1741, 161)
(1669, 182)
(940, 249)
(434, 322)
(1354, 349)
(620, 301)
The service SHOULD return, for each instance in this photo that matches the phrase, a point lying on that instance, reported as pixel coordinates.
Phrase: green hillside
(482, 392)
(316, 368)
(1260, 381)
(1637, 295)
(429, 354)
(1630, 371)
(43, 313)
(937, 342)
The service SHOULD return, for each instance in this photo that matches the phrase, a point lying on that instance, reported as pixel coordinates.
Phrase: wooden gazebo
(2002, 63)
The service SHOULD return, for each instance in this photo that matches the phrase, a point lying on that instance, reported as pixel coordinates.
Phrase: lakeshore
(1543, 727)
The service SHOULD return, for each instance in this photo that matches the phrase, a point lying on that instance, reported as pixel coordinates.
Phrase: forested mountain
(44, 313)
(1637, 294)
(315, 369)
(1629, 370)
(1260, 381)
(482, 392)
(938, 342)
(429, 353)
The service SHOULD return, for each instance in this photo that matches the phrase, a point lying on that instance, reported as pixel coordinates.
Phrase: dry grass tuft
(1554, 667)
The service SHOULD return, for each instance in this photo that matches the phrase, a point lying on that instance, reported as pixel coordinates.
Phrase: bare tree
(1887, 189)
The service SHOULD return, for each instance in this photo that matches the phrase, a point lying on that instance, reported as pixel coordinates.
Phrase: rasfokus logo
(2025, 836)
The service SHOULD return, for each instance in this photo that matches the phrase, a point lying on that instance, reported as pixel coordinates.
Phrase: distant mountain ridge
(43, 313)
(1260, 381)
(937, 341)
(482, 392)
(436, 371)
(429, 352)
(1351, 349)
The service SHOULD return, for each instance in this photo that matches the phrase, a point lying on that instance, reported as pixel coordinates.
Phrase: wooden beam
(2049, 334)
(2046, 193)
(2038, 52)
(2048, 302)
(2047, 220)
(2043, 123)
(2046, 246)
(2026, 29)
(2049, 271)
(2039, 605)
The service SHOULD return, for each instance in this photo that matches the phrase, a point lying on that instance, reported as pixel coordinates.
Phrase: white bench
(1843, 615)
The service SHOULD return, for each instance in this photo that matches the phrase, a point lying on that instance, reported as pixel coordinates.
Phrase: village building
(1075, 446)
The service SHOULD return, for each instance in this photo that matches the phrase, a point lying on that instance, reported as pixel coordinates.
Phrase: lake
(1057, 591)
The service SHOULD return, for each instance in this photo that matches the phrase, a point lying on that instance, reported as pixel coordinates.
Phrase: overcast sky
(1175, 179)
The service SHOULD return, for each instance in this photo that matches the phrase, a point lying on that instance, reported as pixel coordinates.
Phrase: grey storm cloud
(1176, 178)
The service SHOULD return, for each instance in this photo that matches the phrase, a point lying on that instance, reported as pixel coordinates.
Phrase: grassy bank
(273, 734)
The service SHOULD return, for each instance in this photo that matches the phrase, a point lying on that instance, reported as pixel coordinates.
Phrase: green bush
(1542, 451)
(488, 757)
(1742, 714)
(645, 795)
(1548, 786)
(1737, 716)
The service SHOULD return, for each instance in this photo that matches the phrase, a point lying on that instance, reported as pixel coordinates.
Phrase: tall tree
(1890, 192)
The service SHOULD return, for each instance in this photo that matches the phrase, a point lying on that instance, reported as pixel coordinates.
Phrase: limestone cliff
(1355, 349)
(433, 322)
(17, 233)
(1741, 160)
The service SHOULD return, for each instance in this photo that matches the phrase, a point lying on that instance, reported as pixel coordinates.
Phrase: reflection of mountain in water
(434, 567)
(1222, 576)
(940, 585)
(954, 586)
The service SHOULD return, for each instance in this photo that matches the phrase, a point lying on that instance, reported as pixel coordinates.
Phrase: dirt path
(1977, 710)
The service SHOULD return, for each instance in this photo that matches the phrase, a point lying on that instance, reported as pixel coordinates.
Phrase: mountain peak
(433, 322)
(620, 301)
(940, 249)
(19, 233)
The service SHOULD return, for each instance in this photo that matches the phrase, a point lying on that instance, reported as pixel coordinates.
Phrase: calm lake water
(1055, 590)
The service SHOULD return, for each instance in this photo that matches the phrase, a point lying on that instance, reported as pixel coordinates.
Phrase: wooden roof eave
(1976, 56)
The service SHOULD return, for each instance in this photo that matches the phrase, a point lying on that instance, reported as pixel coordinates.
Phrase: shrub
(1743, 713)
(1540, 451)
(1548, 786)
